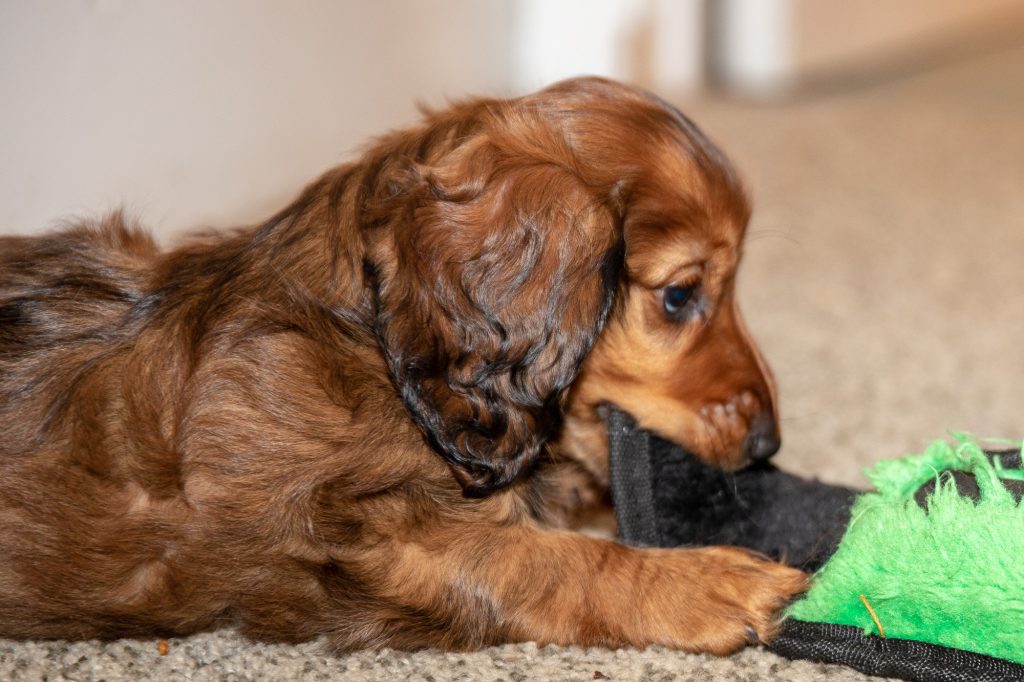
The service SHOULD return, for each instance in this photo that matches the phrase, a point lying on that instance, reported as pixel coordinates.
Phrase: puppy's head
(510, 241)
(675, 353)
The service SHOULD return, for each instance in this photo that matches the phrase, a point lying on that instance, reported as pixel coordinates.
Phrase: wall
(656, 43)
(216, 113)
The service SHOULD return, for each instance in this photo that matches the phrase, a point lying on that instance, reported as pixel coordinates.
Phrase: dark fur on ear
(493, 273)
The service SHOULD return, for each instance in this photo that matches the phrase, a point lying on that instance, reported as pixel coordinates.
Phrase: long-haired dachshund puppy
(372, 417)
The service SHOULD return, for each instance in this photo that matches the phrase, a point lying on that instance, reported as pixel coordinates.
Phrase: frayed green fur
(952, 576)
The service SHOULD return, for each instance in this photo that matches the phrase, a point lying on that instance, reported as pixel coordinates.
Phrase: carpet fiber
(884, 281)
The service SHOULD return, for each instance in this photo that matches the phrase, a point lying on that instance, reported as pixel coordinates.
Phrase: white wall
(216, 112)
(656, 43)
(752, 44)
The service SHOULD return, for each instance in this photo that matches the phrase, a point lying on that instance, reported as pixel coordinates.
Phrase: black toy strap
(888, 657)
(666, 497)
(632, 496)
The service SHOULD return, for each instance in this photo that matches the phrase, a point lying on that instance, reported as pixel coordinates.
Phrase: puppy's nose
(762, 439)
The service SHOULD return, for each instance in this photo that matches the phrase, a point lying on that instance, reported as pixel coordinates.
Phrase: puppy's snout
(762, 439)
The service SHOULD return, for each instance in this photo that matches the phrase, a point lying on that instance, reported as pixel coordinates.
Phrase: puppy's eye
(676, 299)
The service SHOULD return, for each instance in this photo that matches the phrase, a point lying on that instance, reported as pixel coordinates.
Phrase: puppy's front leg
(522, 583)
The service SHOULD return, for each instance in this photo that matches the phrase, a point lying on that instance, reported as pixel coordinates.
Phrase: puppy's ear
(492, 279)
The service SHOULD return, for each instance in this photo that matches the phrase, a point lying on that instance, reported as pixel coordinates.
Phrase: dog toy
(921, 579)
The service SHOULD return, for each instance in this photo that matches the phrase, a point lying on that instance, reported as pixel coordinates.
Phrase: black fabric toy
(664, 497)
(667, 498)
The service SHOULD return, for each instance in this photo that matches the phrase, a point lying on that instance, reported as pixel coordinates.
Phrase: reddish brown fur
(348, 421)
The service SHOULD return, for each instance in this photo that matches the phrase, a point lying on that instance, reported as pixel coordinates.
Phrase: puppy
(370, 418)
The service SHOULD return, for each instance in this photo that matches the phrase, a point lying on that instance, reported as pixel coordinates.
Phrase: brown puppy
(349, 421)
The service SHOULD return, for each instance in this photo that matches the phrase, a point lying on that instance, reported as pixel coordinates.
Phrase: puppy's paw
(735, 599)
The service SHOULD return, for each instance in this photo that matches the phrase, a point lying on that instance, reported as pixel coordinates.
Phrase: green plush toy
(949, 571)
(922, 579)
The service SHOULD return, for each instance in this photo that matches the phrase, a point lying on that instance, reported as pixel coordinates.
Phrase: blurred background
(882, 142)
(198, 112)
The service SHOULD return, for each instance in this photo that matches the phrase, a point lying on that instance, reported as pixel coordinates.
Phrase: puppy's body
(345, 422)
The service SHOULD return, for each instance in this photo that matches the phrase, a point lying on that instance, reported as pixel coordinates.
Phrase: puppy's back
(66, 299)
(67, 285)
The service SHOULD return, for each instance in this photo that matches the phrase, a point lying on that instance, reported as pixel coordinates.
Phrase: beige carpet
(885, 279)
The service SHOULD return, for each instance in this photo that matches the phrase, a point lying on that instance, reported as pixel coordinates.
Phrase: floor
(884, 278)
